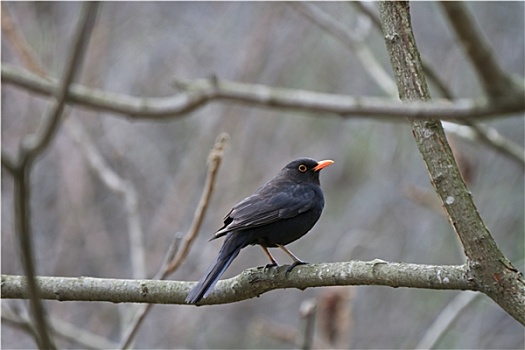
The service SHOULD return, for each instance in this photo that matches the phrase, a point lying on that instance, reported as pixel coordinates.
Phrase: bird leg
(273, 261)
(296, 260)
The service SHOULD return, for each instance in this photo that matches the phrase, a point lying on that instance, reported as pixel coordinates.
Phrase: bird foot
(295, 263)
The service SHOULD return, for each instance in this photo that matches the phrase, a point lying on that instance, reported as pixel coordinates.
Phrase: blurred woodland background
(379, 202)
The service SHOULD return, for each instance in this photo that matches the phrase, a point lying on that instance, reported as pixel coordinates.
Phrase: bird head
(305, 169)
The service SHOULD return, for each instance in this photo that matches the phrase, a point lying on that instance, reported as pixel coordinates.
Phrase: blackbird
(278, 213)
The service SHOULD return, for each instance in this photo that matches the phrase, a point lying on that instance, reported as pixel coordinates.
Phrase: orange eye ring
(302, 168)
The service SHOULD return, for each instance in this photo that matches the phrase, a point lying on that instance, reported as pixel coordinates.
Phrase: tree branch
(173, 262)
(489, 136)
(30, 147)
(350, 40)
(120, 186)
(60, 328)
(496, 82)
(201, 92)
(469, 129)
(34, 144)
(249, 284)
(438, 329)
(487, 266)
(214, 160)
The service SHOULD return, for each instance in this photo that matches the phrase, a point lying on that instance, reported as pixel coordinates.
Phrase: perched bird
(278, 213)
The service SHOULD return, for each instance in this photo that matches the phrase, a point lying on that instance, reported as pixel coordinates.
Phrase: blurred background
(379, 201)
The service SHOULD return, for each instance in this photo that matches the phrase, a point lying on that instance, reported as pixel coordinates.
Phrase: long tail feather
(229, 251)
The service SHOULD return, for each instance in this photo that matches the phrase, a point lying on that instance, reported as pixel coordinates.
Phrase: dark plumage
(278, 213)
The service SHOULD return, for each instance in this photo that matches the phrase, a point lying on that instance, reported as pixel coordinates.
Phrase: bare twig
(469, 129)
(112, 180)
(33, 145)
(214, 162)
(136, 321)
(497, 83)
(352, 41)
(170, 255)
(19, 44)
(176, 256)
(18, 317)
(445, 319)
(126, 190)
(489, 136)
(64, 330)
(121, 187)
(201, 92)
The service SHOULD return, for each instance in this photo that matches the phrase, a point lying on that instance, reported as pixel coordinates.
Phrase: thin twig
(19, 318)
(490, 137)
(214, 162)
(107, 175)
(172, 261)
(172, 250)
(64, 330)
(476, 131)
(33, 145)
(126, 190)
(496, 82)
(19, 44)
(352, 41)
(435, 332)
(120, 186)
(141, 312)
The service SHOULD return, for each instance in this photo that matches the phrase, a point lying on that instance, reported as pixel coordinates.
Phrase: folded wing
(259, 209)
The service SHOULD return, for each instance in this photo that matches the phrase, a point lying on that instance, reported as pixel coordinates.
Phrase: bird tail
(230, 249)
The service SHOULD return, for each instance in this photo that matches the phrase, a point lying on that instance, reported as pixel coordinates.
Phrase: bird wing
(264, 208)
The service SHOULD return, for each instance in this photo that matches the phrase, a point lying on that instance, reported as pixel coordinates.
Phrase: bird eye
(302, 168)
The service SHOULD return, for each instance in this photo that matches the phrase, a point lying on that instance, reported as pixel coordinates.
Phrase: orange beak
(323, 164)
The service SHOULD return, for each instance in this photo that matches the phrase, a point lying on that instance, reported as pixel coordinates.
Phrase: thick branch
(201, 92)
(488, 267)
(249, 284)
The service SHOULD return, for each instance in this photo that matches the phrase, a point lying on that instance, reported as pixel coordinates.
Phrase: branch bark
(249, 284)
(200, 92)
(488, 268)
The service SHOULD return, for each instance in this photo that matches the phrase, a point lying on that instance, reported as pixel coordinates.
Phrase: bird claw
(295, 263)
(267, 266)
